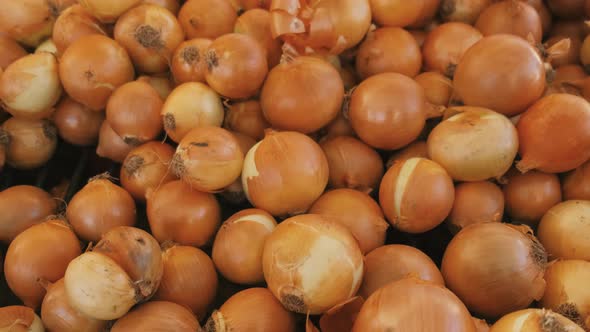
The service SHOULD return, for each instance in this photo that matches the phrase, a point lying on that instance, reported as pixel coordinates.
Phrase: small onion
(29, 22)
(191, 105)
(301, 258)
(246, 117)
(98, 207)
(356, 211)
(564, 230)
(189, 279)
(161, 83)
(254, 309)
(576, 184)
(77, 124)
(30, 86)
(180, 214)
(511, 17)
(237, 250)
(11, 51)
(417, 149)
(534, 320)
(111, 145)
(438, 88)
(172, 5)
(499, 283)
(108, 11)
(466, 11)
(147, 167)
(401, 13)
(256, 23)
(207, 18)
(395, 262)
(476, 202)
(289, 184)
(158, 316)
(20, 319)
(74, 23)
(188, 61)
(29, 143)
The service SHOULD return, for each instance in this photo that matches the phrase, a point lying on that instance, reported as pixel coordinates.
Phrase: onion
(339, 127)
(20, 318)
(568, 79)
(445, 45)
(567, 8)
(565, 114)
(76, 124)
(576, 184)
(256, 23)
(564, 230)
(237, 250)
(234, 193)
(189, 279)
(158, 316)
(172, 5)
(250, 4)
(388, 111)
(98, 207)
(161, 83)
(534, 320)
(58, 315)
(30, 21)
(108, 11)
(499, 283)
(480, 79)
(389, 50)
(29, 143)
(302, 94)
(437, 87)
(569, 56)
(342, 316)
(207, 18)
(476, 202)
(394, 262)
(246, 118)
(150, 34)
(111, 145)
(417, 149)
(301, 258)
(92, 68)
(511, 17)
(34, 206)
(254, 309)
(413, 305)
(133, 111)
(402, 13)
(74, 23)
(38, 87)
(461, 144)
(47, 46)
(287, 184)
(188, 61)
(419, 35)
(191, 105)
(529, 196)
(416, 195)
(11, 51)
(180, 214)
(466, 11)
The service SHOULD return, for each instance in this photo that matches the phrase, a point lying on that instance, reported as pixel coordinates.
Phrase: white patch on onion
(250, 170)
(402, 181)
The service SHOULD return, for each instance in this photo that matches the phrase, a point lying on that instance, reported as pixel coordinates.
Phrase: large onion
(29, 143)
(188, 61)
(108, 11)
(534, 320)
(74, 23)
(511, 17)
(207, 18)
(476, 202)
(158, 316)
(576, 184)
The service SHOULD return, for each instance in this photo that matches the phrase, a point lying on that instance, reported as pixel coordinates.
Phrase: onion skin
(111, 145)
(437, 87)
(20, 319)
(483, 281)
(74, 23)
(476, 202)
(564, 230)
(158, 316)
(160, 82)
(570, 56)
(301, 242)
(76, 124)
(28, 22)
(36, 205)
(417, 149)
(108, 11)
(404, 188)
(576, 184)
(253, 309)
(511, 17)
(31, 143)
(256, 23)
(413, 305)
(11, 51)
(401, 13)
(47, 46)
(281, 186)
(466, 11)
(534, 320)
(559, 113)
(207, 18)
(246, 118)
(188, 61)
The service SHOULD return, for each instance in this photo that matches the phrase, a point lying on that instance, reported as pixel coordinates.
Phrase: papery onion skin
(494, 285)
(576, 184)
(76, 124)
(108, 11)
(301, 257)
(31, 143)
(11, 51)
(207, 18)
(74, 23)
(417, 149)
(247, 118)
(466, 11)
(534, 320)
(256, 23)
(476, 202)
(437, 87)
(28, 22)
(413, 305)
(511, 17)
(111, 145)
(20, 319)
(158, 316)
(564, 230)
(188, 61)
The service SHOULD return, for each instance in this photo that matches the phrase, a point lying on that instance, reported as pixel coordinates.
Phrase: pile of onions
(529, 196)
(133, 111)
(466, 11)
(495, 284)
(417, 149)
(38, 87)
(246, 117)
(476, 202)
(237, 250)
(302, 94)
(301, 258)
(158, 316)
(388, 111)
(29, 143)
(256, 23)
(207, 18)
(74, 23)
(395, 262)
(534, 320)
(111, 145)
(445, 45)
(356, 211)
(58, 315)
(147, 167)
(389, 50)
(576, 184)
(568, 117)
(564, 230)
(98, 207)
(511, 17)
(461, 144)
(437, 87)
(20, 318)
(403, 14)
(150, 33)
(480, 80)
(178, 213)
(11, 51)
(92, 67)
(278, 185)
(189, 279)
(191, 105)
(416, 195)
(108, 11)
(253, 309)
(40, 253)
(188, 61)
(34, 206)
(77, 124)
(414, 305)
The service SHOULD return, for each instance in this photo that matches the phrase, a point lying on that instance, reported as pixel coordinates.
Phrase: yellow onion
(511, 17)
(29, 143)
(342, 316)
(188, 61)
(72, 24)
(111, 145)
(29, 21)
(466, 11)
(11, 51)
(161, 83)
(476, 202)
(47, 46)
(256, 23)
(438, 88)
(76, 123)
(481, 325)
(158, 316)
(534, 320)
(246, 118)
(207, 18)
(234, 193)
(172, 5)
(576, 184)
(108, 11)
(403, 13)
(339, 127)
(301, 258)
(417, 149)
(20, 319)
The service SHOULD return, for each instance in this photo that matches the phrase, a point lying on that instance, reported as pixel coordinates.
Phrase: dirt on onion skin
(190, 55)
(177, 166)
(149, 37)
(169, 122)
(212, 60)
(571, 312)
(49, 130)
(550, 324)
(133, 165)
(294, 303)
